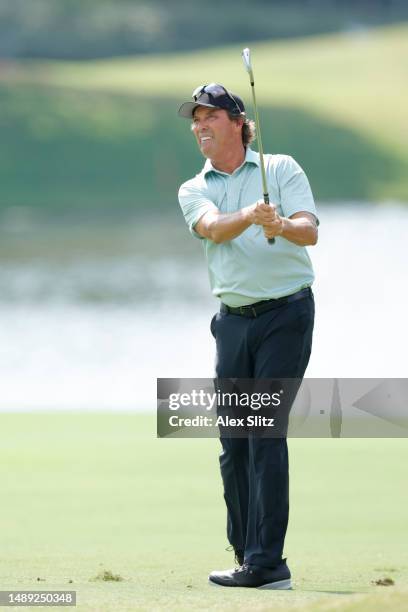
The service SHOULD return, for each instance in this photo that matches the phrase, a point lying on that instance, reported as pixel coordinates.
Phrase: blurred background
(102, 289)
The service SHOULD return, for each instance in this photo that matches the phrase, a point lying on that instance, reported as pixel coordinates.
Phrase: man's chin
(206, 150)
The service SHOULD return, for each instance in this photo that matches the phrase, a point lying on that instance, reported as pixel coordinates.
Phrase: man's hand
(261, 213)
(266, 215)
(275, 228)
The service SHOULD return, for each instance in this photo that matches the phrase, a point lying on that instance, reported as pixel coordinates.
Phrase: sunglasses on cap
(214, 90)
(213, 95)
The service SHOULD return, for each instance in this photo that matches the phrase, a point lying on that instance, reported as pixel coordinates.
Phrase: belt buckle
(245, 310)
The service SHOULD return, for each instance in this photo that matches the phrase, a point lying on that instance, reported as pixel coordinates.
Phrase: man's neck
(230, 162)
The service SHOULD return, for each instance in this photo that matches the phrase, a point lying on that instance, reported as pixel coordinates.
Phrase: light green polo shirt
(247, 269)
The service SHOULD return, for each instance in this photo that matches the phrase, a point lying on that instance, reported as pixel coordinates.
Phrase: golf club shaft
(258, 130)
(260, 147)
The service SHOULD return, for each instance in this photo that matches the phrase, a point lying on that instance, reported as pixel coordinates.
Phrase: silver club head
(246, 58)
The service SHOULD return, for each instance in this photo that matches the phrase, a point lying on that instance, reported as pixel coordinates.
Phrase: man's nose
(201, 124)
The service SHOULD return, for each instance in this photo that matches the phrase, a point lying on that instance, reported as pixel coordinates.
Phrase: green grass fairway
(85, 493)
(106, 134)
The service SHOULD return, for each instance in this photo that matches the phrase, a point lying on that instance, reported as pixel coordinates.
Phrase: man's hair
(248, 129)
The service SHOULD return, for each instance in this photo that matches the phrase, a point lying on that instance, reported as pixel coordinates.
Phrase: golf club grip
(266, 200)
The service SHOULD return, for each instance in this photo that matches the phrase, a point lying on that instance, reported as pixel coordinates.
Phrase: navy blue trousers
(255, 470)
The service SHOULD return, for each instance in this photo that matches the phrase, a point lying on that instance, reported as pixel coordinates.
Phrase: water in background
(90, 316)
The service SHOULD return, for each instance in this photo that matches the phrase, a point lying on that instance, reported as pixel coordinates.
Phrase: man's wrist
(285, 225)
(249, 214)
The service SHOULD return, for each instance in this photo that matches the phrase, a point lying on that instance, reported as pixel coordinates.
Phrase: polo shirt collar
(251, 157)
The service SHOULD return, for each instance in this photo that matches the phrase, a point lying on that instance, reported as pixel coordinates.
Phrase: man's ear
(239, 121)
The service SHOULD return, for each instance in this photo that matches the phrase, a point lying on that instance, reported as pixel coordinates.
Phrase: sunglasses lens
(215, 89)
(197, 91)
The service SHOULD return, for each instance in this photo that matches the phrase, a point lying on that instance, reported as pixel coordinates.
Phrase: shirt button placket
(227, 191)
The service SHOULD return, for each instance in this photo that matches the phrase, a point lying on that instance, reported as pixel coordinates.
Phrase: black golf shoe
(254, 576)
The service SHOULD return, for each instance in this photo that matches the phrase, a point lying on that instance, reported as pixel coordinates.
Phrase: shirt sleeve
(295, 192)
(194, 201)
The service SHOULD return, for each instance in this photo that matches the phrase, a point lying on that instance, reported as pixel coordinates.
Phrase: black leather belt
(254, 310)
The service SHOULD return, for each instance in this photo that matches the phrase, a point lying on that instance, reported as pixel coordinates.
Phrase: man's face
(215, 132)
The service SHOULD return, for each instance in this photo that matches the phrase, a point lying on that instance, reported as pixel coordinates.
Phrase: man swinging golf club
(265, 323)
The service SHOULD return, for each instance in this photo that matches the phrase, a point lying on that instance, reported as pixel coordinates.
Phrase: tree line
(85, 29)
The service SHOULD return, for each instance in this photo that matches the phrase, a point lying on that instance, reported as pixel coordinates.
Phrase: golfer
(265, 323)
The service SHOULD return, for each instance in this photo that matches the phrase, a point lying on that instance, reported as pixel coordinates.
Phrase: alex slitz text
(221, 421)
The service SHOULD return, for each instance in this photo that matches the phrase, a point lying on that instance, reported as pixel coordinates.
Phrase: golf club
(246, 56)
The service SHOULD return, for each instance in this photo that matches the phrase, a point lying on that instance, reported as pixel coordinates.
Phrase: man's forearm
(300, 231)
(220, 227)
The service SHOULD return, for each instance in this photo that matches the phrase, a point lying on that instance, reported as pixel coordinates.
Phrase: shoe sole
(281, 585)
